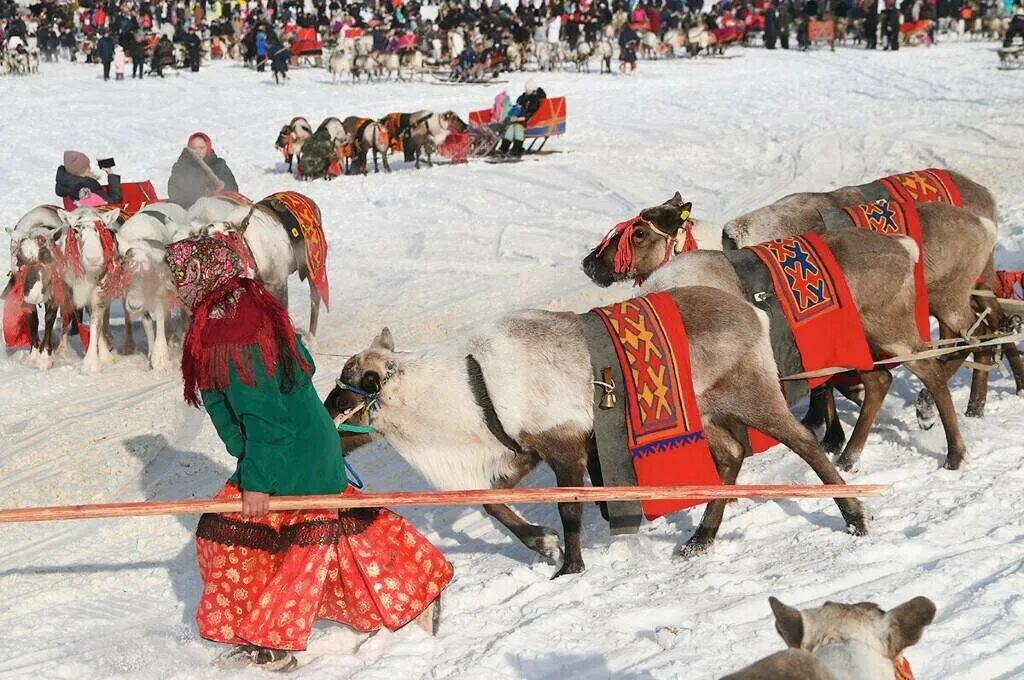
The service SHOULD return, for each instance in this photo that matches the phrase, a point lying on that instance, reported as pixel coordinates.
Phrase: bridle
(371, 400)
(625, 256)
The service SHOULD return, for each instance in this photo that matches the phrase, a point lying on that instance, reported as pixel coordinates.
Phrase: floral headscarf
(200, 266)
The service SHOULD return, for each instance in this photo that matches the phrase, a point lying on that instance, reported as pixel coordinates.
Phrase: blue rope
(353, 478)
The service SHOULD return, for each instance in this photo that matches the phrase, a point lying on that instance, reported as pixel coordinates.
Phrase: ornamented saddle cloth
(653, 436)
(813, 321)
(920, 186)
(17, 325)
(301, 218)
(894, 217)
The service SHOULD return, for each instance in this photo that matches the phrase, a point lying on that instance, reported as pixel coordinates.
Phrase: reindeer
(581, 57)
(141, 242)
(88, 261)
(799, 212)
(325, 147)
(291, 138)
(415, 62)
(519, 391)
(341, 62)
(368, 136)
(428, 132)
(870, 263)
(259, 235)
(516, 55)
(33, 256)
(605, 50)
(838, 641)
(368, 64)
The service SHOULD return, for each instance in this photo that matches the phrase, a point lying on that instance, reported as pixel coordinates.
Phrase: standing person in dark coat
(163, 53)
(871, 25)
(137, 51)
(771, 26)
(892, 24)
(279, 56)
(192, 48)
(190, 180)
(784, 22)
(105, 51)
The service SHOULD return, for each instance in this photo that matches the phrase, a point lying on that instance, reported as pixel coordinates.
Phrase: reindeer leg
(376, 168)
(569, 464)
(33, 328)
(979, 385)
(387, 164)
(314, 308)
(876, 386)
(107, 336)
(91, 361)
(932, 374)
(834, 437)
(540, 539)
(50, 318)
(1013, 358)
(129, 334)
(728, 455)
(159, 354)
(775, 420)
(147, 327)
(816, 408)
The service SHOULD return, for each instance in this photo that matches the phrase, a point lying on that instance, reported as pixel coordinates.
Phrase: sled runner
(1011, 57)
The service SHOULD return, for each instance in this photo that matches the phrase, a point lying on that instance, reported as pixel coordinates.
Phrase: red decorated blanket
(664, 434)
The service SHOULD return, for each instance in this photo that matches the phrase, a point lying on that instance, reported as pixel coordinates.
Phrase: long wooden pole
(474, 497)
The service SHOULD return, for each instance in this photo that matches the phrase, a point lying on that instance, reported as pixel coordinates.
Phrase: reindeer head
(149, 275)
(654, 236)
(887, 633)
(362, 379)
(81, 228)
(453, 122)
(284, 137)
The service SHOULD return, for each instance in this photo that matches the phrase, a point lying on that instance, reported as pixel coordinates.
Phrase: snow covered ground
(430, 252)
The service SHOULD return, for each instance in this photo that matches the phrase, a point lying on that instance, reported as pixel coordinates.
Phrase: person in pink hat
(76, 181)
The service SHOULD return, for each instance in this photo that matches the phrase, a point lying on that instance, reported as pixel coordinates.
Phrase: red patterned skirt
(266, 580)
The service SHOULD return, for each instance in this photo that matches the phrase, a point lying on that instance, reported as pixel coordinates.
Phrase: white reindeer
(141, 242)
(83, 273)
(341, 63)
(843, 641)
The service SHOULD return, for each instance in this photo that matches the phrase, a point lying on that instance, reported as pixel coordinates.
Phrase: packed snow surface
(430, 253)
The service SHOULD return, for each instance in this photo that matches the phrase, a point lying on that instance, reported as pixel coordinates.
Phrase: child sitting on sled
(268, 576)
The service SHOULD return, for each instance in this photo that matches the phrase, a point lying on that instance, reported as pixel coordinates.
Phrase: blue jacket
(105, 48)
(261, 44)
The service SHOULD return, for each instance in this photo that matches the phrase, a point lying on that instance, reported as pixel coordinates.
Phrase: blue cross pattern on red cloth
(882, 218)
(803, 274)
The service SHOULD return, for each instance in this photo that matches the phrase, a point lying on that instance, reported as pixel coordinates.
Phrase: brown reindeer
(878, 270)
(796, 213)
(486, 409)
(368, 136)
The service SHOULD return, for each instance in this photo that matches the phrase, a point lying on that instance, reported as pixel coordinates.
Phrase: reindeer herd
(75, 264)
(528, 396)
(345, 146)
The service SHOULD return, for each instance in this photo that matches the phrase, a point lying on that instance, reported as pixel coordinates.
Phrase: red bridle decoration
(1010, 285)
(625, 255)
(902, 667)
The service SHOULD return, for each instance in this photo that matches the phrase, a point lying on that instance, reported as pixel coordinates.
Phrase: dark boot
(517, 148)
(503, 147)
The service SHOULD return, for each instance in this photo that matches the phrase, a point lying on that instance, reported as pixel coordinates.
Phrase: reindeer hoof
(573, 567)
(926, 413)
(695, 547)
(853, 513)
(975, 411)
(954, 462)
(833, 444)
(547, 544)
(846, 463)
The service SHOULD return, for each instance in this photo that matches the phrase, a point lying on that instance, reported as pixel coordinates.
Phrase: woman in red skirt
(268, 576)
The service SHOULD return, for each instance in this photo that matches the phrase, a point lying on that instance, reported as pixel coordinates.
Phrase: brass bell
(609, 400)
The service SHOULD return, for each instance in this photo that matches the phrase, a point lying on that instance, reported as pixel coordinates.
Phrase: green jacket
(286, 444)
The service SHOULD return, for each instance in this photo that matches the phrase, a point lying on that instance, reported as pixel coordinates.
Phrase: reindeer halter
(625, 255)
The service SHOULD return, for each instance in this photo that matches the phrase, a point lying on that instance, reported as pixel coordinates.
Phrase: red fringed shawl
(225, 328)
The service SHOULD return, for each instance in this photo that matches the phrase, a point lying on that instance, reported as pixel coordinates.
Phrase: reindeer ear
(789, 623)
(384, 340)
(684, 210)
(63, 215)
(907, 622)
(675, 200)
(109, 217)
